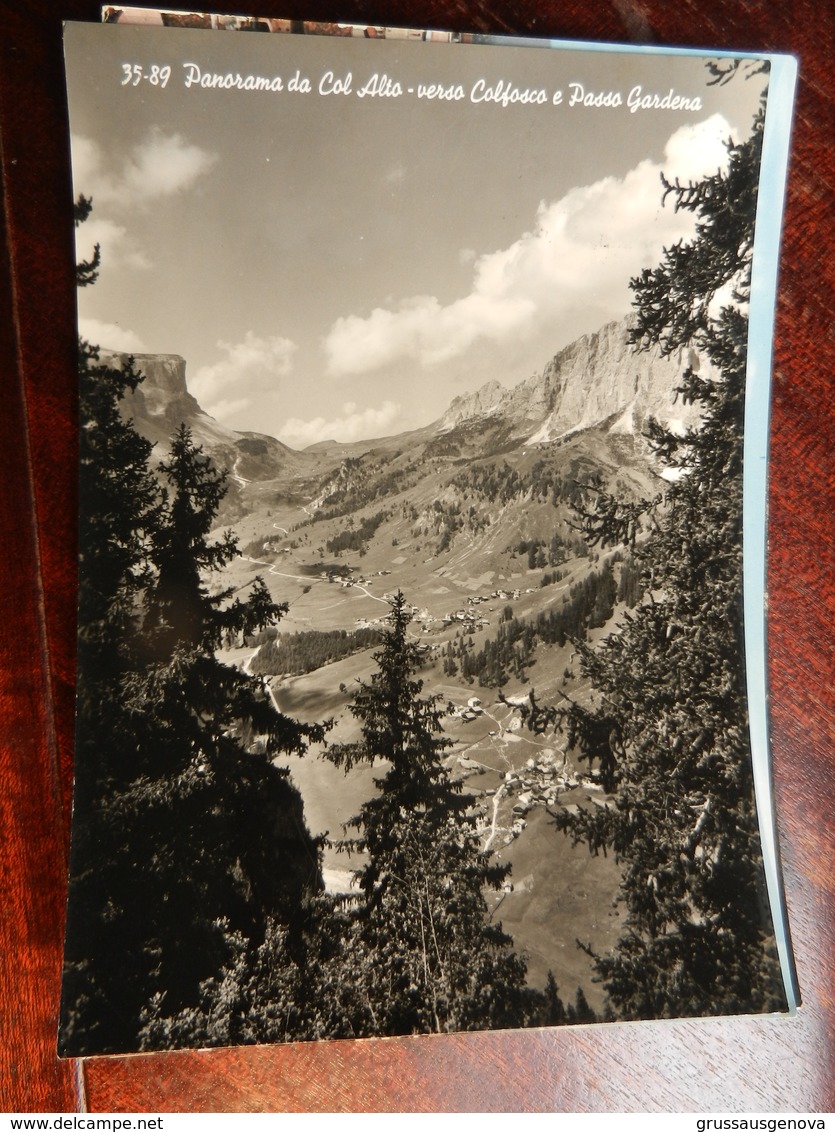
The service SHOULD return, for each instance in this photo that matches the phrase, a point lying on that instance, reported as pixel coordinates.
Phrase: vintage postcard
(423, 398)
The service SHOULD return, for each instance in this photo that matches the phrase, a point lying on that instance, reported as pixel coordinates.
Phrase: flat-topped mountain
(162, 402)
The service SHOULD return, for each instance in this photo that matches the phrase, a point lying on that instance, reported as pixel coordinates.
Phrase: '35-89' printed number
(135, 73)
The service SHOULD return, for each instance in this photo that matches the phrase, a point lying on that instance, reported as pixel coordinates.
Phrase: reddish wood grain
(727, 1064)
(36, 640)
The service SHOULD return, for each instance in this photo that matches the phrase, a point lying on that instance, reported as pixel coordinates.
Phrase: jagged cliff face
(486, 401)
(599, 379)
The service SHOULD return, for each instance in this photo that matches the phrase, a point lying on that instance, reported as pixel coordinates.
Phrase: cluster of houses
(496, 595)
(472, 711)
(346, 582)
(469, 619)
(539, 782)
(466, 619)
(546, 779)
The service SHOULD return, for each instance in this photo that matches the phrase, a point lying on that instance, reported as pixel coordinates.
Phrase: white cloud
(351, 425)
(86, 164)
(117, 246)
(696, 150)
(110, 336)
(248, 368)
(161, 165)
(580, 254)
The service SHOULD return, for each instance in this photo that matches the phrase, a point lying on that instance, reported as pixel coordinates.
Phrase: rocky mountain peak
(484, 402)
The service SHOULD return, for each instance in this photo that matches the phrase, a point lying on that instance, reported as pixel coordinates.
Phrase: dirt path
(494, 826)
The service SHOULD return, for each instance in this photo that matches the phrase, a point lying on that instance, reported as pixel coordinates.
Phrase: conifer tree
(188, 842)
(231, 851)
(553, 1008)
(669, 717)
(419, 954)
(121, 503)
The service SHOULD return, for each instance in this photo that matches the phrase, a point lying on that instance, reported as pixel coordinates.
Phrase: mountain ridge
(596, 378)
(597, 381)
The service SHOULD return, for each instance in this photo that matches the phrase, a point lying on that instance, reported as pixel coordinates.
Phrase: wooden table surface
(713, 1065)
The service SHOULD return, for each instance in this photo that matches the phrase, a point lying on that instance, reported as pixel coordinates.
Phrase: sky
(334, 264)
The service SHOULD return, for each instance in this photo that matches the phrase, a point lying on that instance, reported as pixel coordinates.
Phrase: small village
(543, 780)
(464, 618)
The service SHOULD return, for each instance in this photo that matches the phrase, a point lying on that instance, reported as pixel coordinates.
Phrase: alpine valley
(471, 518)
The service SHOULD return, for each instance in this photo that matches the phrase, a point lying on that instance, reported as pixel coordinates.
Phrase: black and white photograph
(414, 693)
